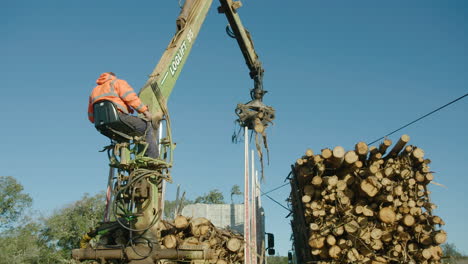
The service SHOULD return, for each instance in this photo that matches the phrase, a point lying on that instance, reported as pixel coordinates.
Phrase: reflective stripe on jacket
(118, 92)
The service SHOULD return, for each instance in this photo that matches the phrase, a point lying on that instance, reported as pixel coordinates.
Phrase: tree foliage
(277, 260)
(65, 227)
(49, 240)
(12, 201)
(170, 207)
(24, 244)
(235, 190)
(213, 197)
(451, 251)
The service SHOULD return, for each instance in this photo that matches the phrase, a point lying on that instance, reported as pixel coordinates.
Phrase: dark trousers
(139, 125)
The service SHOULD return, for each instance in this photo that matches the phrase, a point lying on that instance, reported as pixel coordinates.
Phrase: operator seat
(108, 122)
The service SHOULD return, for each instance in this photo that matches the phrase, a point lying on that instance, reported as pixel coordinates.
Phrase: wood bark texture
(200, 232)
(370, 204)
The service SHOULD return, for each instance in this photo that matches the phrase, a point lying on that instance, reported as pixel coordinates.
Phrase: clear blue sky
(338, 72)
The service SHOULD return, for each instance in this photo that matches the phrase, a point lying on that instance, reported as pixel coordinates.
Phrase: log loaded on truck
(133, 230)
(366, 205)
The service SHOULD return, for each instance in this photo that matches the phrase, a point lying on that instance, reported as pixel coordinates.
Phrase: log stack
(366, 205)
(200, 232)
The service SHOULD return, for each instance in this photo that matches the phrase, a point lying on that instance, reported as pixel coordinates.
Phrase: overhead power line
(272, 190)
(275, 201)
(391, 133)
(422, 117)
(278, 203)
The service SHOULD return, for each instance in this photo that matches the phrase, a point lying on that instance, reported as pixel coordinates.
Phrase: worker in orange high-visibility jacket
(122, 95)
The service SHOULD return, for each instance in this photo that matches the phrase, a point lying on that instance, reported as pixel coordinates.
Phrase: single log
(317, 180)
(387, 215)
(367, 212)
(408, 220)
(398, 190)
(372, 170)
(357, 165)
(316, 251)
(353, 255)
(351, 227)
(436, 220)
(331, 181)
(334, 252)
(326, 153)
(170, 241)
(426, 253)
(214, 241)
(420, 177)
(376, 233)
(376, 244)
(181, 222)
(331, 240)
(418, 153)
(439, 237)
(204, 229)
(379, 260)
(341, 185)
(338, 231)
(314, 227)
(309, 153)
(376, 156)
(337, 157)
(407, 150)
(234, 244)
(399, 145)
(370, 186)
(345, 200)
(359, 209)
(306, 198)
(405, 174)
(429, 177)
(361, 149)
(389, 172)
(350, 158)
(199, 221)
(386, 236)
(384, 146)
(317, 242)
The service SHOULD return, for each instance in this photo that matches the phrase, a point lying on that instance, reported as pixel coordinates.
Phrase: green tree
(213, 197)
(24, 244)
(451, 251)
(66, 226)
(170, 206)
(46, 240)
(13, 201)
(277, 260)
(21, 239)
(235, 190)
